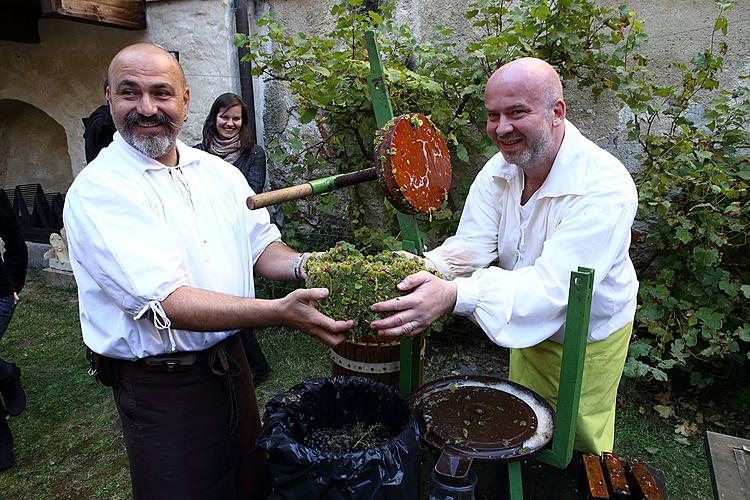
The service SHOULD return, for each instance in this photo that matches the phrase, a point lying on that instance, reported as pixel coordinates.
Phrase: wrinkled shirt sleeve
(475, 244)
(128, 249)
(522, 307)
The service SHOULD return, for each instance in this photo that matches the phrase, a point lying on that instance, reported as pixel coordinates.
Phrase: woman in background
(226, 135)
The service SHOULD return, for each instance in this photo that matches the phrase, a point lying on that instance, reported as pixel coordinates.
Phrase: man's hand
(298, 311)
(15, 298)
(430, 298)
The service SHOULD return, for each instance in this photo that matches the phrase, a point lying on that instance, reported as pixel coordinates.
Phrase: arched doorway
(33, 148)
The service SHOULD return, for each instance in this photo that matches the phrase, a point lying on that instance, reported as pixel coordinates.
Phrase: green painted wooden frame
(410, 372)
(560, 450)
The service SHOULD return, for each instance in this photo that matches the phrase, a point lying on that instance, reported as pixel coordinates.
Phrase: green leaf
(664, 411)
(721, 25)
(462, 154)
(376, 18)
(682, 440)
(321, 70)
(683, 235)
(308, 115)
(746, 291)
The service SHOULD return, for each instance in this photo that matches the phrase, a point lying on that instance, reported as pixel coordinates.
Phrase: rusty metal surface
(414, 164)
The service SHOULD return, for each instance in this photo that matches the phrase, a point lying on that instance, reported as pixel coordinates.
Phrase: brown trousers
(191, 434)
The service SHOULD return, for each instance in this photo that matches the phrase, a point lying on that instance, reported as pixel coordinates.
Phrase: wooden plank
(125, 14)
(642, 483)
(729, 465)
(595, 477)
(618, 483)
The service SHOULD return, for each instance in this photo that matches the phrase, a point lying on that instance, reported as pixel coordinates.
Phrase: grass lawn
(68, 442)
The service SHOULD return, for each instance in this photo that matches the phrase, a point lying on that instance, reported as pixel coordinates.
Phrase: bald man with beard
(164, 254)
(548, 202)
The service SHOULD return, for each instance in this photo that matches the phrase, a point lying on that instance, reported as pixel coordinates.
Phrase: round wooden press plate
(414, 164)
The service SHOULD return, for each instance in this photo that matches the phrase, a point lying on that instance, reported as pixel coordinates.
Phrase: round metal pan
(482, 418)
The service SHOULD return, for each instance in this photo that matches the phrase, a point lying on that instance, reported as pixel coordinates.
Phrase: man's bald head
(145, 51)
(526, 114)
(148, 99)
(538, 77)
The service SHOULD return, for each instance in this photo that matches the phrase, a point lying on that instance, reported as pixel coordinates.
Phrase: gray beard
(531, 155)
(153, 147)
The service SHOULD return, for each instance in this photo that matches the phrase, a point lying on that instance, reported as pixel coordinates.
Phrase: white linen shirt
(138, 230)
(581, 217)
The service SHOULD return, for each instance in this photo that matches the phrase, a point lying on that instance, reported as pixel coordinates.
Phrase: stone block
(59, 278)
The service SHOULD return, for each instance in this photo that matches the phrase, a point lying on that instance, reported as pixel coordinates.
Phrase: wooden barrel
(371, 358)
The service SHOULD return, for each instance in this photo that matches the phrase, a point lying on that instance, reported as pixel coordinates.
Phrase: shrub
(693, 187)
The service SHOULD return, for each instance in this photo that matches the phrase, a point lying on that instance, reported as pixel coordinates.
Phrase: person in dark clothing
(12, 279)
(98, 131)
(226, 135)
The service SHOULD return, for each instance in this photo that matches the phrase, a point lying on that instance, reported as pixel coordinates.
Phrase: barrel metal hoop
(362, 367)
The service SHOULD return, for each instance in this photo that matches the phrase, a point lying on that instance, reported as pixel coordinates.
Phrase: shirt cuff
(467, 296)
(440, 264)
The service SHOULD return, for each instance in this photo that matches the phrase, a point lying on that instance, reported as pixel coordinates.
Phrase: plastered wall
(62, 78)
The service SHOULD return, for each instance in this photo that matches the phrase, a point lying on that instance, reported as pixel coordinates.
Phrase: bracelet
(297, 266)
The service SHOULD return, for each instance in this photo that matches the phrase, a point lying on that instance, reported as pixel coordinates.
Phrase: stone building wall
(677, 29)
(48, 87)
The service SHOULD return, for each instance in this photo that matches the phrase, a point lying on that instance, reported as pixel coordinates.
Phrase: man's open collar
(568, 173)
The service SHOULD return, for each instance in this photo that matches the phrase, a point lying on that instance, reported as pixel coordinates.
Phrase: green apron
(538, 368)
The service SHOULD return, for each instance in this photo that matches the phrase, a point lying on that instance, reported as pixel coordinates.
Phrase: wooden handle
(279, 196)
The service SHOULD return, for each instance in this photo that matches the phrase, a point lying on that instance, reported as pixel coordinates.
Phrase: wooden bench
(729, 465)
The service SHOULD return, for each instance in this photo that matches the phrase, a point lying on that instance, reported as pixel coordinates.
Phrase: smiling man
(548, 202)
(164, 253)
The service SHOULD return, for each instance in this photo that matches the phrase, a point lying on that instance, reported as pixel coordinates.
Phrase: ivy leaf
(683, 235)
(746, 291)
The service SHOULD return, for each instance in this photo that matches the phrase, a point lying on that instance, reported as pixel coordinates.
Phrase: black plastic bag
(390, 471)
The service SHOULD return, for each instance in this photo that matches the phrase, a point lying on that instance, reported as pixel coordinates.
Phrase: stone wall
(47, 88)
(677, 29)
(52, 85)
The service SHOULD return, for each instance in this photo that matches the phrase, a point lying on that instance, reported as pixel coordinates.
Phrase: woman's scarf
(229, 149)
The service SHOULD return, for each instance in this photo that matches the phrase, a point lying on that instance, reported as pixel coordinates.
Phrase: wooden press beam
(124, 14)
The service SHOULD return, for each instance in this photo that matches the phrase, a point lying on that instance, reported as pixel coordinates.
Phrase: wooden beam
(125, 14)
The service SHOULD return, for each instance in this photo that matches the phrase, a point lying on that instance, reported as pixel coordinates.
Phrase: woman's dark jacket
(252, 164)
(15, 257)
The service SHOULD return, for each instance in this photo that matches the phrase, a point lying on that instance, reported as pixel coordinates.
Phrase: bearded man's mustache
(134, 118)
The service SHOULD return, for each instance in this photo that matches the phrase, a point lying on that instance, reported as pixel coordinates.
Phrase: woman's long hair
(227, 100)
